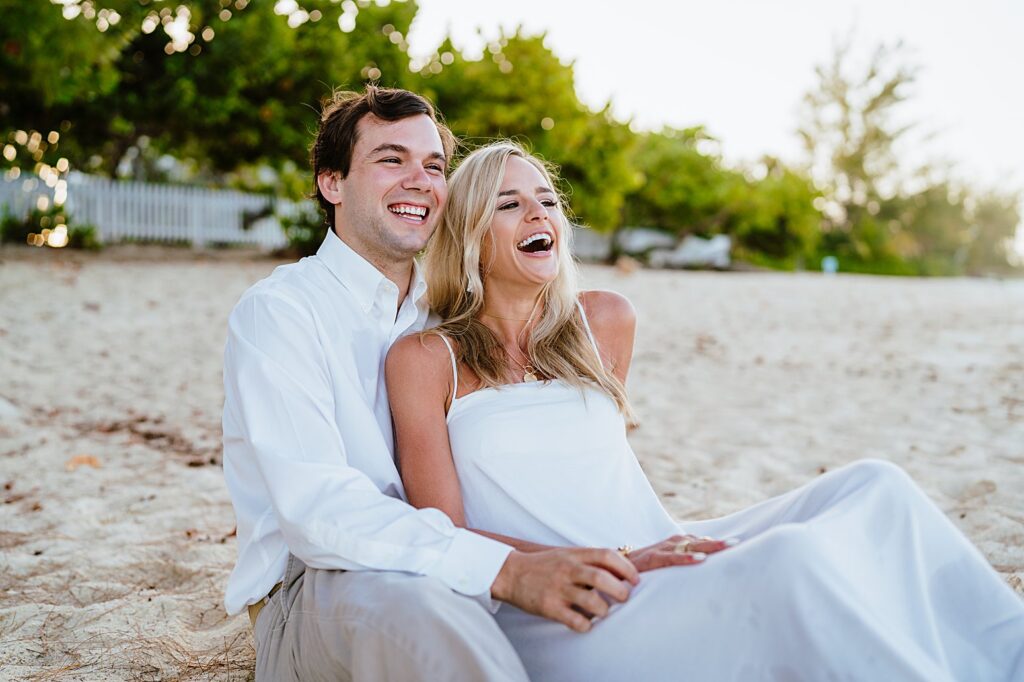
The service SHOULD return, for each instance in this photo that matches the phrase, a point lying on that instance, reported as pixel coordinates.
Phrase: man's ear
(329, 183)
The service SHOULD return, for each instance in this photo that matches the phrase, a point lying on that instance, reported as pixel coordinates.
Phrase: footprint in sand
(978, 489)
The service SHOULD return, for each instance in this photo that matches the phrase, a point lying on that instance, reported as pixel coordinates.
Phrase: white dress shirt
(308, 443)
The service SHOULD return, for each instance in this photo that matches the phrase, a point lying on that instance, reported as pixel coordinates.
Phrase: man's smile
(414, 213)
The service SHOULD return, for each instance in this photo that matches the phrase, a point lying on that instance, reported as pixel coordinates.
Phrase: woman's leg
(765, 610)
(899, 556)
(854, 576)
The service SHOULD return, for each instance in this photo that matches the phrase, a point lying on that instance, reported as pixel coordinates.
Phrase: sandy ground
(116, 529)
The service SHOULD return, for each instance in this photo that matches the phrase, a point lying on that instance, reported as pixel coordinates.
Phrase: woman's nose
(535, 210)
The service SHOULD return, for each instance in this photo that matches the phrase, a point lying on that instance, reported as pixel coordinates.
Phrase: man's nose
(416, 178)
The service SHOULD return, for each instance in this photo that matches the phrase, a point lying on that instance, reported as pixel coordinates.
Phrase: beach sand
(116, 531)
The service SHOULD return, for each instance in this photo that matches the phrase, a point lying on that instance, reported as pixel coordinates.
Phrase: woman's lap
(828, 580)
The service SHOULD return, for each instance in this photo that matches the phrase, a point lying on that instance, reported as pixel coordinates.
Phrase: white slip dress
(855, 576)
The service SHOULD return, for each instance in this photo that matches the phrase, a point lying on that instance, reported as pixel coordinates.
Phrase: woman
(516, 428)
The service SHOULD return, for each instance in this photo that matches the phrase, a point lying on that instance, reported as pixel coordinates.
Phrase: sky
(740, 67)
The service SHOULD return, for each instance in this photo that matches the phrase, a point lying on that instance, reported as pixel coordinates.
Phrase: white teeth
(532, 238)
(409, 210)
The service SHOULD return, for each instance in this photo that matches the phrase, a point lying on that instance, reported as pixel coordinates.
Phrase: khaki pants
(369, 625)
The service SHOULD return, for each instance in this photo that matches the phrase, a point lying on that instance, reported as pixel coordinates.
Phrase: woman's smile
(538, 244)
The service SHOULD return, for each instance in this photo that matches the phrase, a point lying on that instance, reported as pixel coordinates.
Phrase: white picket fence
(169, 213)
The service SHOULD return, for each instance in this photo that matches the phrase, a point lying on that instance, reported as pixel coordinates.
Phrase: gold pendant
(529, 374)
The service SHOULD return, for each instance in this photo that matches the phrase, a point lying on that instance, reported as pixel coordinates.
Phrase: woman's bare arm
(613, 321)
(521, 545)
(418, 372)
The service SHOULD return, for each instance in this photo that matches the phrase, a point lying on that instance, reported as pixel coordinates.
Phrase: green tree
(521, 90)
(686, 189)
(850, 133)
(994, 220)
(48, 60)
(776, 217)
(50, 63)
(883, 216)
(225, 85)
(682, 189)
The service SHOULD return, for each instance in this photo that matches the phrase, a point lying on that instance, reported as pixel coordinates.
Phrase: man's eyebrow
(540, 190)
(390, 146)
(402, 149)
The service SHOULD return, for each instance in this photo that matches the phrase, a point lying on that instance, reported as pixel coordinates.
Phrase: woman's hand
(678, 550)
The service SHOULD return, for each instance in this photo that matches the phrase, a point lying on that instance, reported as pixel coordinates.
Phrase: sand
(116, 532)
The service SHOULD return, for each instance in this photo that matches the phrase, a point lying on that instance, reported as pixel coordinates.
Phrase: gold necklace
(529, 373)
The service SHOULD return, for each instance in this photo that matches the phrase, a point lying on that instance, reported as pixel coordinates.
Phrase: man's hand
(564, 584)
(678, 550)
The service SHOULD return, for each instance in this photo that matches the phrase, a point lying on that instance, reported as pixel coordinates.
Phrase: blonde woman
(511, 415)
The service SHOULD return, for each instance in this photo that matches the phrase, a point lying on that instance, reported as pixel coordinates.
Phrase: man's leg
(367, 625)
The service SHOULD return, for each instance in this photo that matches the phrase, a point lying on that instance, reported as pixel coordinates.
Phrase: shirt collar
(359, 276)
(418, 288)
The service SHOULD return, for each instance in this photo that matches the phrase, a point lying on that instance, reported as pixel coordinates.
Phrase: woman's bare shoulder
(419, 357)
(608, 309)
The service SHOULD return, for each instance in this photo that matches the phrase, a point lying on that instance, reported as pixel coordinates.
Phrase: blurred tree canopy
(685, 188)
(521, 90)
(228, 92)
(224, 83)
(880, 215)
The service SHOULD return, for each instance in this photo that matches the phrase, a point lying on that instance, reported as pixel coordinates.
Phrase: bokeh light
(58, 237)
(177, 28)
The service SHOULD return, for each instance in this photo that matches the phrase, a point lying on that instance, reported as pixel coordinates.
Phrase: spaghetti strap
(590, 334)
(455, 368)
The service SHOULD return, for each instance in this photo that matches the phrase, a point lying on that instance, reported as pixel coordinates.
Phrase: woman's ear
(329, 183)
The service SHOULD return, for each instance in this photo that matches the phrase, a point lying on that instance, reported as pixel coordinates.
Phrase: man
(342, 578)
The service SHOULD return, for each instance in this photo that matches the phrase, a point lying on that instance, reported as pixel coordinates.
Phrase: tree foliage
(244, 88)
(228, 91)
(776, 216)
(682, 189)
(521, 90)
(687, 189)
(880, 214)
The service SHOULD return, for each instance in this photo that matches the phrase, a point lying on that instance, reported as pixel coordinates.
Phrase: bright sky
(740, 67)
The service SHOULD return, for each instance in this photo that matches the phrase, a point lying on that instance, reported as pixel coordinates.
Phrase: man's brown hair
(336, 136)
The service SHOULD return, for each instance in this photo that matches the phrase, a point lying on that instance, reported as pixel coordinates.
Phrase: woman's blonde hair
(558, 347)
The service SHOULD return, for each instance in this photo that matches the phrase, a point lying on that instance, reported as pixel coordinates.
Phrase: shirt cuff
(471, 564)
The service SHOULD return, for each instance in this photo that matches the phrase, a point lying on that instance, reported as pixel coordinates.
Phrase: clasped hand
(575, 586)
